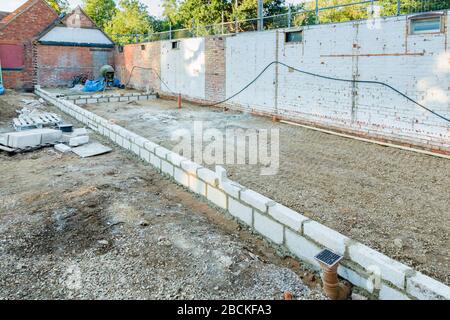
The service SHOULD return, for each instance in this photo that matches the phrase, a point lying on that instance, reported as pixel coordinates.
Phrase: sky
(154, 6)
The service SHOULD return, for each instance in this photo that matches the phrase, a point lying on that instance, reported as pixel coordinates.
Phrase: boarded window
(425, 25)
(11, 56)
(294, 36)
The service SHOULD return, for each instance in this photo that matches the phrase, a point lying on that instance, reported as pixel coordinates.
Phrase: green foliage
(59, 5)
(131, 19)
(101, 11)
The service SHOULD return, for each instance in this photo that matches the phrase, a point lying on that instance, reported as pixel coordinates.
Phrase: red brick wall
(215, 68)
(147, 55)
(22, 29)
(57, 65)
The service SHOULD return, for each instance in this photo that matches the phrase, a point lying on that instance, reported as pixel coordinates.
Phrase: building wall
(57, 65)
(418, 65)
(183, 69)
(142, 63)
(22, 30)
(77, 19)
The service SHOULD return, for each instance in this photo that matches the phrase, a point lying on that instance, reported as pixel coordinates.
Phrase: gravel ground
(109, 227)
(393, 200)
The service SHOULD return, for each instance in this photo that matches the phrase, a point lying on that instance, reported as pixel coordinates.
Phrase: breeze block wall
(415, 64)
(297, 235)
(57, 65)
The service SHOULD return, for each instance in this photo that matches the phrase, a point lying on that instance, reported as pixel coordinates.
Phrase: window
(294, 36)
(120, 49)
(175, 44)
(426, 25)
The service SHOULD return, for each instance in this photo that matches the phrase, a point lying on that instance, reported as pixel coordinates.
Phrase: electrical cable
(307, 73)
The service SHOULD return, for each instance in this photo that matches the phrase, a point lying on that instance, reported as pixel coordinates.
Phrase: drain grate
(328, 257)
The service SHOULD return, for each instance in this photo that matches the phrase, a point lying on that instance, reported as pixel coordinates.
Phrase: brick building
(17, 32)
(39, 47)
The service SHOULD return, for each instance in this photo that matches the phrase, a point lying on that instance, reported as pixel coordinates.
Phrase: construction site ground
(111, 227)
(392, 200)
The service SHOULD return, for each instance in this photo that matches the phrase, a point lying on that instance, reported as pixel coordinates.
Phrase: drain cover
(328, 257)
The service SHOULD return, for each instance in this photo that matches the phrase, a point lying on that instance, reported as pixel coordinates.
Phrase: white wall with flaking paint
(183, 69)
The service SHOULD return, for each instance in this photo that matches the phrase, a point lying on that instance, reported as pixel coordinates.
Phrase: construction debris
(91, 149)
(29, 120)
(62, 148)
(78, 141)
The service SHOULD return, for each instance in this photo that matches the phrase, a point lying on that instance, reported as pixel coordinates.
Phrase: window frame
(286, 35)
(424, 17)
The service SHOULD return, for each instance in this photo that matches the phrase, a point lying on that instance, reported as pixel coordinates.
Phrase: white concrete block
(78, 141)
(155, 161)
(181, 177)
(325, 236)
(175, 158)
(150, 146)
(286, 216)
(23, 139)
(302, 248)
(240, 211)
(231, 188)
(390, 270)
(140, 141)
(388, 293)
(426, 288)
(50, 135)
(208, 176)
(126, 143)
(356, 278)
(268, 227)
(197, 185)
(166, 167)
(162, 152)
(216, 196)
(135, 149)
(255, 199)
(62, 148)
(145, 155)
(190, 167)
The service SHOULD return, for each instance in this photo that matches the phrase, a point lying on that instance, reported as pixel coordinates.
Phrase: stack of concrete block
(30, 138)
(76, 138)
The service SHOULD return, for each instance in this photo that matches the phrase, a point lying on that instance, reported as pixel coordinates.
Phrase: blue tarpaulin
(2, 90)
(93, 86)
(98, 85)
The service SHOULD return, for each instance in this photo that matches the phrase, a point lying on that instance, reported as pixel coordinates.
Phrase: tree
(131, 22)
(59, 5)
(202, 12)
(101, 11)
